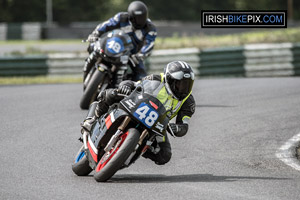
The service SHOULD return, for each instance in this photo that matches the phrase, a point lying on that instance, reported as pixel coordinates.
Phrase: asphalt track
(229, 152)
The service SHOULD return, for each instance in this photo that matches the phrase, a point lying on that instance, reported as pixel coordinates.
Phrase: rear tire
(81, 165)
(106, 170)
(91, 89)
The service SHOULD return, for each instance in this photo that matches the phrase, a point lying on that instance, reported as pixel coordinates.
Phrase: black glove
(124, 89)
(179, 130)
(92, 38)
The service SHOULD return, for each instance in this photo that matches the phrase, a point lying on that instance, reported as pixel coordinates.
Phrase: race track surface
(229, 152)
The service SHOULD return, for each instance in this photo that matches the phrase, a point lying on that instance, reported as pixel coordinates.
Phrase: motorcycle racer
(136, 23)
(173, 89)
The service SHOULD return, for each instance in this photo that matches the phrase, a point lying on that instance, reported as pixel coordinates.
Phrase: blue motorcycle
(113, 51)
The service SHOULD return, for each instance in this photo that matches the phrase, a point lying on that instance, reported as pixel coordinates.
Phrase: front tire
(111, 162)
(91, 89)
(81, 165)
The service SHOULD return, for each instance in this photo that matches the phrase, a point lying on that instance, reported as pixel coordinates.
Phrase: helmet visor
(181, 88)
(138, 21)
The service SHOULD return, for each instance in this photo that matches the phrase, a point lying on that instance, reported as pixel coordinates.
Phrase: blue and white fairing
(115, 46)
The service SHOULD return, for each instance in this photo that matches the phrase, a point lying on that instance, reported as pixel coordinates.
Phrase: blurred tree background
(66, 11)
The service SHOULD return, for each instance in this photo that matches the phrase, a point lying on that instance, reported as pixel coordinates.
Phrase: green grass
(38, 80)
(32, 46)
(33, 42)
(207, 41)
(202, 41)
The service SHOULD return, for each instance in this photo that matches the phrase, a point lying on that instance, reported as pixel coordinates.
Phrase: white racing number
(115, 46)
(146, 114)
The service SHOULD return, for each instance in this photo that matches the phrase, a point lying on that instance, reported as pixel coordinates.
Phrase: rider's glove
(124, 89)
(92, 38)
(178, 130)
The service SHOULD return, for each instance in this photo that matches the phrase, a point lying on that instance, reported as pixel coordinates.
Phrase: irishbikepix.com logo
(244, 19)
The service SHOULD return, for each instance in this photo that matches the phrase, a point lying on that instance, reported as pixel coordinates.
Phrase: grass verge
(201, 41)
(239, 39)
(38, 80)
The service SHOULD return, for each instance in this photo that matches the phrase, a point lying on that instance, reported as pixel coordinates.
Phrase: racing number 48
(114, 46)
(148, 117)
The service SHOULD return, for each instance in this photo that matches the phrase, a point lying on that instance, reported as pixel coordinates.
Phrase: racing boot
(161, 153)
(98, 108)
(90, 118)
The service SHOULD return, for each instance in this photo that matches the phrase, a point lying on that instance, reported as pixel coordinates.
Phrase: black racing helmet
(179, 79)
(138, 14)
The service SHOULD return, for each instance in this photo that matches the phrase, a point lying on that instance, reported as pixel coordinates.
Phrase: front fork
(148, 144)
(119, 132)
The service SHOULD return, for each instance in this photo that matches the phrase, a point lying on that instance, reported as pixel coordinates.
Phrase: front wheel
(91, 89)
(81, 165)
(111, 161)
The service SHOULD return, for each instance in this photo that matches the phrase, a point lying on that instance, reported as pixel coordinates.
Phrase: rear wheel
(81, 165)
(91, 89)
(111, 161)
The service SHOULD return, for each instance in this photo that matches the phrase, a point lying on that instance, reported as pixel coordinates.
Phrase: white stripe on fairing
(112, 117)
(286, 153)
(92, 145)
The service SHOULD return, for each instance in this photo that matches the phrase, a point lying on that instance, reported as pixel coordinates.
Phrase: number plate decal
(146, 114)
(115, 45)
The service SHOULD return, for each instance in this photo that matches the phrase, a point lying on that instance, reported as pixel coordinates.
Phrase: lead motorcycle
(122, 135)
(113, 52)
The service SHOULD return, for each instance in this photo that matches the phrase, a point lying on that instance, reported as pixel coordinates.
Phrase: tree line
(66, 11)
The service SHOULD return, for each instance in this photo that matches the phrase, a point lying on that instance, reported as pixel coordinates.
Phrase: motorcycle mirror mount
(139, 89)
